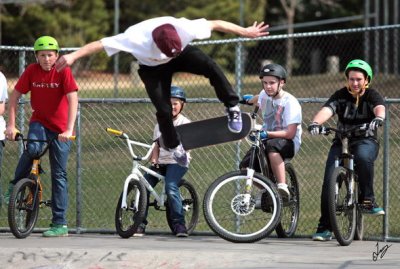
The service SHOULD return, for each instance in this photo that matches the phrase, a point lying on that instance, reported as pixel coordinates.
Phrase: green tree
(72, 22)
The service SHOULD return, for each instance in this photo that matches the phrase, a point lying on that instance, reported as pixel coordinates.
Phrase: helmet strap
(357, 95)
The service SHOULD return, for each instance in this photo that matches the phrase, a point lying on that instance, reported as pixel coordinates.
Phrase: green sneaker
(56, 230)
(8, 193)
(324, 235)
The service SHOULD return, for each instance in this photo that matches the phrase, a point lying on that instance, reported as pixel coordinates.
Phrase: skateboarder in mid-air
(161, 47)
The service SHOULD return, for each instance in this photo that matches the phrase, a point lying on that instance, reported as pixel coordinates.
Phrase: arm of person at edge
(72, 112)
(256, 30)
(12, 108)
(86, 50)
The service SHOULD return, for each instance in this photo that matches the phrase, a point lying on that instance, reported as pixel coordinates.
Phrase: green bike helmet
(359, 65)
(46, 43)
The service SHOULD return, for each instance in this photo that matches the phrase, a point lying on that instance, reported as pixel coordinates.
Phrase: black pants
(157, 80)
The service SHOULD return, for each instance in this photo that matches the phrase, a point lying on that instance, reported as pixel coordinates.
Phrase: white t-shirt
(3, 98)
(165, 157)
(138, 41)
(279, 113)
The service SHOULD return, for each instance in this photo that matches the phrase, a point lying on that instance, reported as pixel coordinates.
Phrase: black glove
(314, 128)
(375, 123)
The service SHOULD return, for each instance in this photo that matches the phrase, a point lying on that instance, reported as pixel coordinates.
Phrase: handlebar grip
(113, 131)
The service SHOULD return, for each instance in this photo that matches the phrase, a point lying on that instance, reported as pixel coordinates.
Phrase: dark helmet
(177, 92)
(275, 70)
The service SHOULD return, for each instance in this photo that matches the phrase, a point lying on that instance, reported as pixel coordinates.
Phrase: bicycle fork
(35, 171)
(348, 163)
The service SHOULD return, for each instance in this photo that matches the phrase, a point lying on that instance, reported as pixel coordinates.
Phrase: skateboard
(210, 132)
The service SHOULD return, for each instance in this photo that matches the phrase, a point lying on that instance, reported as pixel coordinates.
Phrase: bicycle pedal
(45, 203)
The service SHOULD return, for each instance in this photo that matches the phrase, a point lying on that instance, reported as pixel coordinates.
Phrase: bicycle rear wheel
(23, 209)
(290, 209)
(233, 217)
(127, 220)
(190, 203)
(342, 207)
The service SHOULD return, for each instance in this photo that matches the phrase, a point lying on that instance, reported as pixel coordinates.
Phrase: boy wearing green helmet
(54, 101)
(354, 105)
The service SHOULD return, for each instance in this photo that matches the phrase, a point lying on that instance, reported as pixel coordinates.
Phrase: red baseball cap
(167, 40)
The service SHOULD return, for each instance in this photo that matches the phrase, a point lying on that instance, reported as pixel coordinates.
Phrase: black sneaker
(180, 230)
(141, 230)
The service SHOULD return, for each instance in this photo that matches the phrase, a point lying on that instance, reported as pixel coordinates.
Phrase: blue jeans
(365, 152)
(173, 175)
(58, 156)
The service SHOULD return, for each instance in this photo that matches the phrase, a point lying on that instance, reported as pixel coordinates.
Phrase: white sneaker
(283, 191)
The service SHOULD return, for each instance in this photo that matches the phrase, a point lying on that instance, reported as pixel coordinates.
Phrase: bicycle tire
(342, 215)
(230, 219)
(359, 233)
(128, 220)
(291, 209)
(190, 203)
(22, 210)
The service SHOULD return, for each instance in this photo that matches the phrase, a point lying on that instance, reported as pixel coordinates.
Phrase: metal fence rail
(99, 163)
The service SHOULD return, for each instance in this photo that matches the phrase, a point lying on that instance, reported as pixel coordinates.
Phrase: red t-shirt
(49, 91)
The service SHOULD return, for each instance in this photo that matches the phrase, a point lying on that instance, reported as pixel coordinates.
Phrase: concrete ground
(99, 251)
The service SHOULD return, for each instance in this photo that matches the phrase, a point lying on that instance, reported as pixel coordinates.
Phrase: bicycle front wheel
(290, 209)
(23, 208)
(190, 204)
(359, 233)
(127, 220)
(233, 216)
(342, 206)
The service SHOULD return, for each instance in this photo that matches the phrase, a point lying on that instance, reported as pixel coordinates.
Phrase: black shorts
(284, 147)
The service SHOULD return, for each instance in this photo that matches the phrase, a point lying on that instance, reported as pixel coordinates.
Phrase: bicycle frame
(136, 174)
(346, 159)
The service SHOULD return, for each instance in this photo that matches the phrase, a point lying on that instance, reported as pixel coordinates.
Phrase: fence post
(21, 107)
(238, 79)
(78, 172)
(386, 176)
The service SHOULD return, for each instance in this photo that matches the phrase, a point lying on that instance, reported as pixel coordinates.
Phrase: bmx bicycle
(27, 195)
(345, 211)
(132, 203)
(290, 212)
(244, 206)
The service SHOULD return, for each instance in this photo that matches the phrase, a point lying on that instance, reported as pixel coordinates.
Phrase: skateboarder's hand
(245, 99)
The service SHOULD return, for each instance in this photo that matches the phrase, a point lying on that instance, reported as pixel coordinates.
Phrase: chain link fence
(111, 95)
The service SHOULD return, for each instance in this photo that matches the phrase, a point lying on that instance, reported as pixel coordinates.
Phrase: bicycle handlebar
(113, 131)
(130, 142)
(326, 130)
